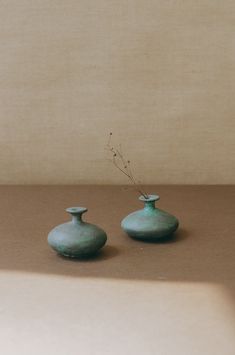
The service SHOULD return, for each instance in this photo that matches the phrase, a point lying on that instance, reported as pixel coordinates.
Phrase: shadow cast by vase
(108, 252)
(178, 236)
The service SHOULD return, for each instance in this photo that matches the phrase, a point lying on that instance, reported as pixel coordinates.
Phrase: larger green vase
(150, 223)
(77, 238)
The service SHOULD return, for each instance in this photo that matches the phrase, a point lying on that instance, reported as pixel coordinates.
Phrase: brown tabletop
(202, 251)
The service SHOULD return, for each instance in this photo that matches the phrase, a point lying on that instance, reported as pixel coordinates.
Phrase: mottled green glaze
(77, 238)
(150, 223)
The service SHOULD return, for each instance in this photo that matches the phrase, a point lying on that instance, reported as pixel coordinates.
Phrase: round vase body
(150, 223)
(77, 238)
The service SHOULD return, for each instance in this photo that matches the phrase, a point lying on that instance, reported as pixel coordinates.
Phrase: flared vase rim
(150, 198)
(76, 210)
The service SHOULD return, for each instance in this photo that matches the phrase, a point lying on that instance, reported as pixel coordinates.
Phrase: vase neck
(77, 219)
(149, 201)
(76, 213)
(149, 205)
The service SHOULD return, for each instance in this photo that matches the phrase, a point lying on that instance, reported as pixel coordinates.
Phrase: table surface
(176, 297)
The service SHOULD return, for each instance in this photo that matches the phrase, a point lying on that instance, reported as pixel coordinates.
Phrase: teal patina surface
(150, 223)
(77, 238)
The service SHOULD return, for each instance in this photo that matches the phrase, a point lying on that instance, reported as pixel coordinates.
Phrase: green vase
(77, 238)
(150, 223)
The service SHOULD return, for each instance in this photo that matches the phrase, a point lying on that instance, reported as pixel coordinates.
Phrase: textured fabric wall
(159, 74)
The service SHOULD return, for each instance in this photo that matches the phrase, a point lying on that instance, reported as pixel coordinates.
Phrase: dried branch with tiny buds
(123, 165)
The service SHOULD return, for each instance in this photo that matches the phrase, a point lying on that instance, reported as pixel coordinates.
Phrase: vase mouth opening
(76, 210)
(149, 198)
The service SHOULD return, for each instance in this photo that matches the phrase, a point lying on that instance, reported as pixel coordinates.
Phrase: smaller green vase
(77, 239)
(150, 223)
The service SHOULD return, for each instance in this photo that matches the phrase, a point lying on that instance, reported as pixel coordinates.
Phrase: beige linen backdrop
(159, 74)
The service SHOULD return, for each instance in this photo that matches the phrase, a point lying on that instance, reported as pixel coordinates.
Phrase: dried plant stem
(124, 166)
